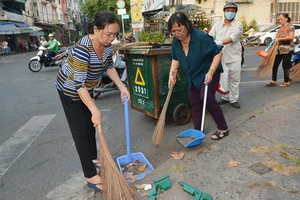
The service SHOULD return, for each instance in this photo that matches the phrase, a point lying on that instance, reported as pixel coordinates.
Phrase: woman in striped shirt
(88, 60)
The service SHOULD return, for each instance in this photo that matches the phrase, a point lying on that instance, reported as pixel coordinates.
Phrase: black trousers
(286, 65)
(83, 132)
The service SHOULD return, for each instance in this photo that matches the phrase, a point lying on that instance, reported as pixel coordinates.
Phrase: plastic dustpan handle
(204, 107)
(127, 129)
(270, 45)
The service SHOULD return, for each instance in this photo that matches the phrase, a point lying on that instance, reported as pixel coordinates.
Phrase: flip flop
(94, 186)
(97, 165)
(271, 84)
(284, 84)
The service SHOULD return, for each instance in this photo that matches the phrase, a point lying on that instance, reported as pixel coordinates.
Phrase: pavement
(265, 140)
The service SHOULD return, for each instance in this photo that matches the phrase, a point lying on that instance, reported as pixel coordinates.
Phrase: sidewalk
(17, 55)
(269, 135)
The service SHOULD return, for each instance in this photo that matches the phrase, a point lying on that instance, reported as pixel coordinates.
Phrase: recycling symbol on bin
(139, 80)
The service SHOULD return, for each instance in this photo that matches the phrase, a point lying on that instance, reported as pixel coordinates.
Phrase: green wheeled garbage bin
(148, 74)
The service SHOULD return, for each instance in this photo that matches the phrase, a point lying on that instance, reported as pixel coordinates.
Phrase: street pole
(123, 28)
(69, 33)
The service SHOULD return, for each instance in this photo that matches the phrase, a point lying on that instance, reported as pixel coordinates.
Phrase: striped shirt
(83, 69)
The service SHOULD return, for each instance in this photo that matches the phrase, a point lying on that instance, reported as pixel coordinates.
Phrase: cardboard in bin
(190, 138)
(131, 157)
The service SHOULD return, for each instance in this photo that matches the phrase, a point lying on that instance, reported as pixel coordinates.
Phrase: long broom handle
(270, 45)
(127, 128)
(204, 107)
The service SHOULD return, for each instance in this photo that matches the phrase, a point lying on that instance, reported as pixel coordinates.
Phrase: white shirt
(232, 52)
(4, 44)
(114, 57)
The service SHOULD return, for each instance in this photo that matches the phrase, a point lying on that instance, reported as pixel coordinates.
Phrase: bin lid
(154, 51)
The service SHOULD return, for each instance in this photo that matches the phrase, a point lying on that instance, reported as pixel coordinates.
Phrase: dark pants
(286, 65)
(83, 132)
(50, 54)
(196, 100)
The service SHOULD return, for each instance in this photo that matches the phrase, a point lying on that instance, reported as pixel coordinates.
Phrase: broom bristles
(159, 129)
(266, 65)
(295, 73)
(114, 185)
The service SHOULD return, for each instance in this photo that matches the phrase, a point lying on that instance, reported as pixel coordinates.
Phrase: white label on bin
(139, 80)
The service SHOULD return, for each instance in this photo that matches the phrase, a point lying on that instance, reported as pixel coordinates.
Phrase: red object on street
(221, 91)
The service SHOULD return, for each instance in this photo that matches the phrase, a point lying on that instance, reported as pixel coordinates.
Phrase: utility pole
(274, 13)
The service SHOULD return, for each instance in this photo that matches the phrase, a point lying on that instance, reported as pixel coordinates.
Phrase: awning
(24, 27)
(9, 29)
(36, 29)
(152, 12)
(39, 33)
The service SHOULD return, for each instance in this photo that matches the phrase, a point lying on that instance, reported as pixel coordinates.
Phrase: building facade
(13, 26)
(264, 12)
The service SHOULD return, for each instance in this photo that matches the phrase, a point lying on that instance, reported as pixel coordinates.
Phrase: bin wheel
(182, 114)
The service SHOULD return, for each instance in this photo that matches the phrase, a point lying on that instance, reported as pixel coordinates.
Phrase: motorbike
(41, 59)
(296, 55)
(105, 84)
(252, 40)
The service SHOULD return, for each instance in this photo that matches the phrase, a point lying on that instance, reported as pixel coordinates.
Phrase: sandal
(94, 186)
(271, 84)
(284, 84)
(219, 135)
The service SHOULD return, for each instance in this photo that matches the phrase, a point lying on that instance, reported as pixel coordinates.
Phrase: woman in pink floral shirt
(284, 37)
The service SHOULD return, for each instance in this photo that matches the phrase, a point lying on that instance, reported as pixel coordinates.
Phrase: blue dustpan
(193, 137)
(131, 157)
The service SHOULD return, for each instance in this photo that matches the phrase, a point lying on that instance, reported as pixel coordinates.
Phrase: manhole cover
(260, 168)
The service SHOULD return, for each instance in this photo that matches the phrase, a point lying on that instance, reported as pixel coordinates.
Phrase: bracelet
(212, 70)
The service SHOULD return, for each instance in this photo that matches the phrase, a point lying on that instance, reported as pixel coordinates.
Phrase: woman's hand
(97, 119)
(123, 93)
(208, 77)
(172, 78)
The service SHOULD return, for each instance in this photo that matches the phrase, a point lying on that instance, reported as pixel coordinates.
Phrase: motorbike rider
(53, 47)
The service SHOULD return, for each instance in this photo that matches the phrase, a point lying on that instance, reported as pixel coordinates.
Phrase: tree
(91, 7)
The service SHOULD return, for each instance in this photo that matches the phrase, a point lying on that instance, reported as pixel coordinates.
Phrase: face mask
(230, 15)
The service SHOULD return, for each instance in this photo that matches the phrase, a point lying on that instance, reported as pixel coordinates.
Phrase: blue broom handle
(204, 107)
(127, 128)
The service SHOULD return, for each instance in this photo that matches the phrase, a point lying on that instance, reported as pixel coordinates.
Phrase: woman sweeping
(284, 38)
(87, 62)
(199, 57)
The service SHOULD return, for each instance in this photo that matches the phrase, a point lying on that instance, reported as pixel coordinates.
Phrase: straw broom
(266, 65)
(114, 185)
(159, 129)
(295, 72)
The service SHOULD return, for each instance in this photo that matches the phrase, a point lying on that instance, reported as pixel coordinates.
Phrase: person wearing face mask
(227, 32)
(88, 60)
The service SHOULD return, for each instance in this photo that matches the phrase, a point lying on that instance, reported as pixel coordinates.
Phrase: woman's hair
(181, 19)
(101, 19)
(286, 15)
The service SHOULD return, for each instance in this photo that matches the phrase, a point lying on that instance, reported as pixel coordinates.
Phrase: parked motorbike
(253, 40)
(41, 59)
(105, 84)
(296, 55)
